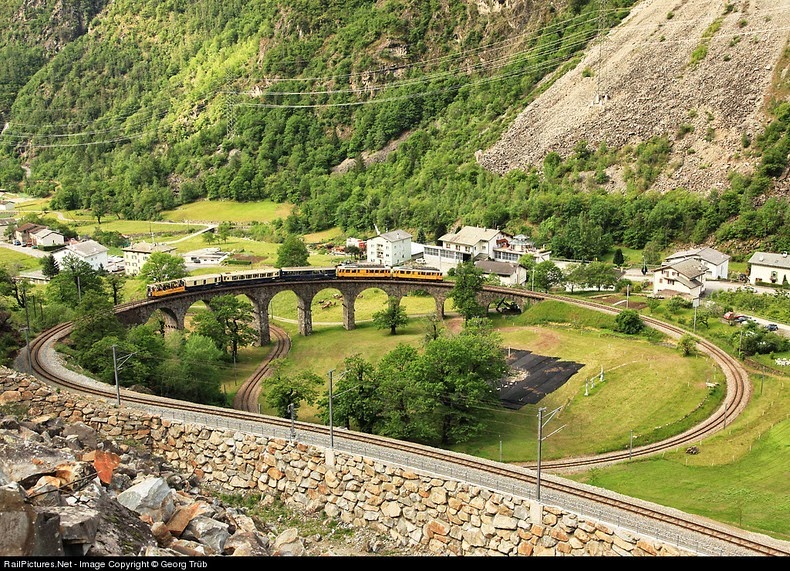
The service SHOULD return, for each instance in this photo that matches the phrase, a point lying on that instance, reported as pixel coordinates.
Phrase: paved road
(29, 251)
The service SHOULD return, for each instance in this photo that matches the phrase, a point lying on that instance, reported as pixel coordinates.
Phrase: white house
(509, 273)
(717, 263)
(685, 278)
(470, 243)
(136, 255)
(89, 251)
(512, 248)
(7, 205)
(207, 256)
(769, 268)
(390, 248)
(46, 237)
(24, 232)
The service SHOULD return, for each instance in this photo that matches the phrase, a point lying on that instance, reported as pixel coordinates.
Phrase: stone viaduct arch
(174, 308)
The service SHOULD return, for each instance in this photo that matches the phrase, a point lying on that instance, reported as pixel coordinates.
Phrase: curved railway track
(719, 538)
(738, 394)
(248, 394)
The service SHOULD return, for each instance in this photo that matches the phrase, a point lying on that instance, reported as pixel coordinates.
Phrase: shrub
(629, 322)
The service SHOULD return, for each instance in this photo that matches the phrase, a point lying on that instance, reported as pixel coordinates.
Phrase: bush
(628, 321)
(676, 304)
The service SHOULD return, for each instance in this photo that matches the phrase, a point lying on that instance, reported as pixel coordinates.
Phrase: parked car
(17, 243)
(772, 327)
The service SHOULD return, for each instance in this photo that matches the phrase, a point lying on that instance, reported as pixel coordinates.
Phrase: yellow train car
(161, 289)
(422, 274)
(370, 272)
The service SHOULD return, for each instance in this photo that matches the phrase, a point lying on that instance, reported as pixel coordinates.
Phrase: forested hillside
(136, 106)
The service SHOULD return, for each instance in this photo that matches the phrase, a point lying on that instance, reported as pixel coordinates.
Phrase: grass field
(740, 476)
(228, 211)
(162, 231)
(23, 262)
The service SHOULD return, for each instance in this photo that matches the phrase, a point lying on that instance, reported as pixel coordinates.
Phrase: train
(267, 275)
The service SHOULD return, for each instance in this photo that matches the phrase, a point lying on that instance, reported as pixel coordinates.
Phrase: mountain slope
(368, 115)
(697, 71)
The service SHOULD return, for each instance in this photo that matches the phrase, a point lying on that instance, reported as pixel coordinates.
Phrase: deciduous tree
(468, 283)
(284, 391)
(227, 323)
(292, 253)
(628, 321)
(162, 267)
(392, 316)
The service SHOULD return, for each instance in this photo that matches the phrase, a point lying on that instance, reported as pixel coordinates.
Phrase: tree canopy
(292, 253)
(162, 267)
(469, 282)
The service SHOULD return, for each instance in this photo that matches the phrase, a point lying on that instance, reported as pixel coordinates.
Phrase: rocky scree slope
(648, 78)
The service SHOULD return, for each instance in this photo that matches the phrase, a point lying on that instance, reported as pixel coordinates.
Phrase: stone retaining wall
(437, 516)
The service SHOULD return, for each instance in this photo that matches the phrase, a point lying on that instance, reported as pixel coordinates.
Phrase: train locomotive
(266, 275)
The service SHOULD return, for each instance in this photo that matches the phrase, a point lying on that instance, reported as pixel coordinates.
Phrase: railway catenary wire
(688, 532)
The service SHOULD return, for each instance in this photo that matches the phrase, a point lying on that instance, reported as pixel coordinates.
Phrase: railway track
(248, 394)
(710, 537)
(737, 397)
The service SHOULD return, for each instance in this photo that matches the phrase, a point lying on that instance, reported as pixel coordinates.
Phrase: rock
(152, 497)
(207, 531)
(288, 543)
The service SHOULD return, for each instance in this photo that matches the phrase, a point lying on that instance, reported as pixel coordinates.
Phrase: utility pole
(331, 418)
(293, 428)
(541, 438)
(331, 428)
(116, 365)
(27, 343)
(27, 330)
(115, 370)
(696, 305)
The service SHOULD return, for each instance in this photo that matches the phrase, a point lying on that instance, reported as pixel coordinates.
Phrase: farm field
(228, 211)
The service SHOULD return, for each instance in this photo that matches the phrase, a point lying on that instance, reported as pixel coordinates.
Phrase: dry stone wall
(437, 516)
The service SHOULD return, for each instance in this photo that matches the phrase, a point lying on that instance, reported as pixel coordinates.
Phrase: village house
(473, 243)
(508, 273)
(716, 262)
(89, 251)
(685, 278)
(45, 237)
(206, 256)
(512, 248)
(5, 223)
(24, 231)
(765, 267)
(389, 249)
(34, 277)
(136, 255)
(7, 205)
(469, 244)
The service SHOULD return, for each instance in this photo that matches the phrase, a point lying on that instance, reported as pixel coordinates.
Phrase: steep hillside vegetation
(370, 115)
